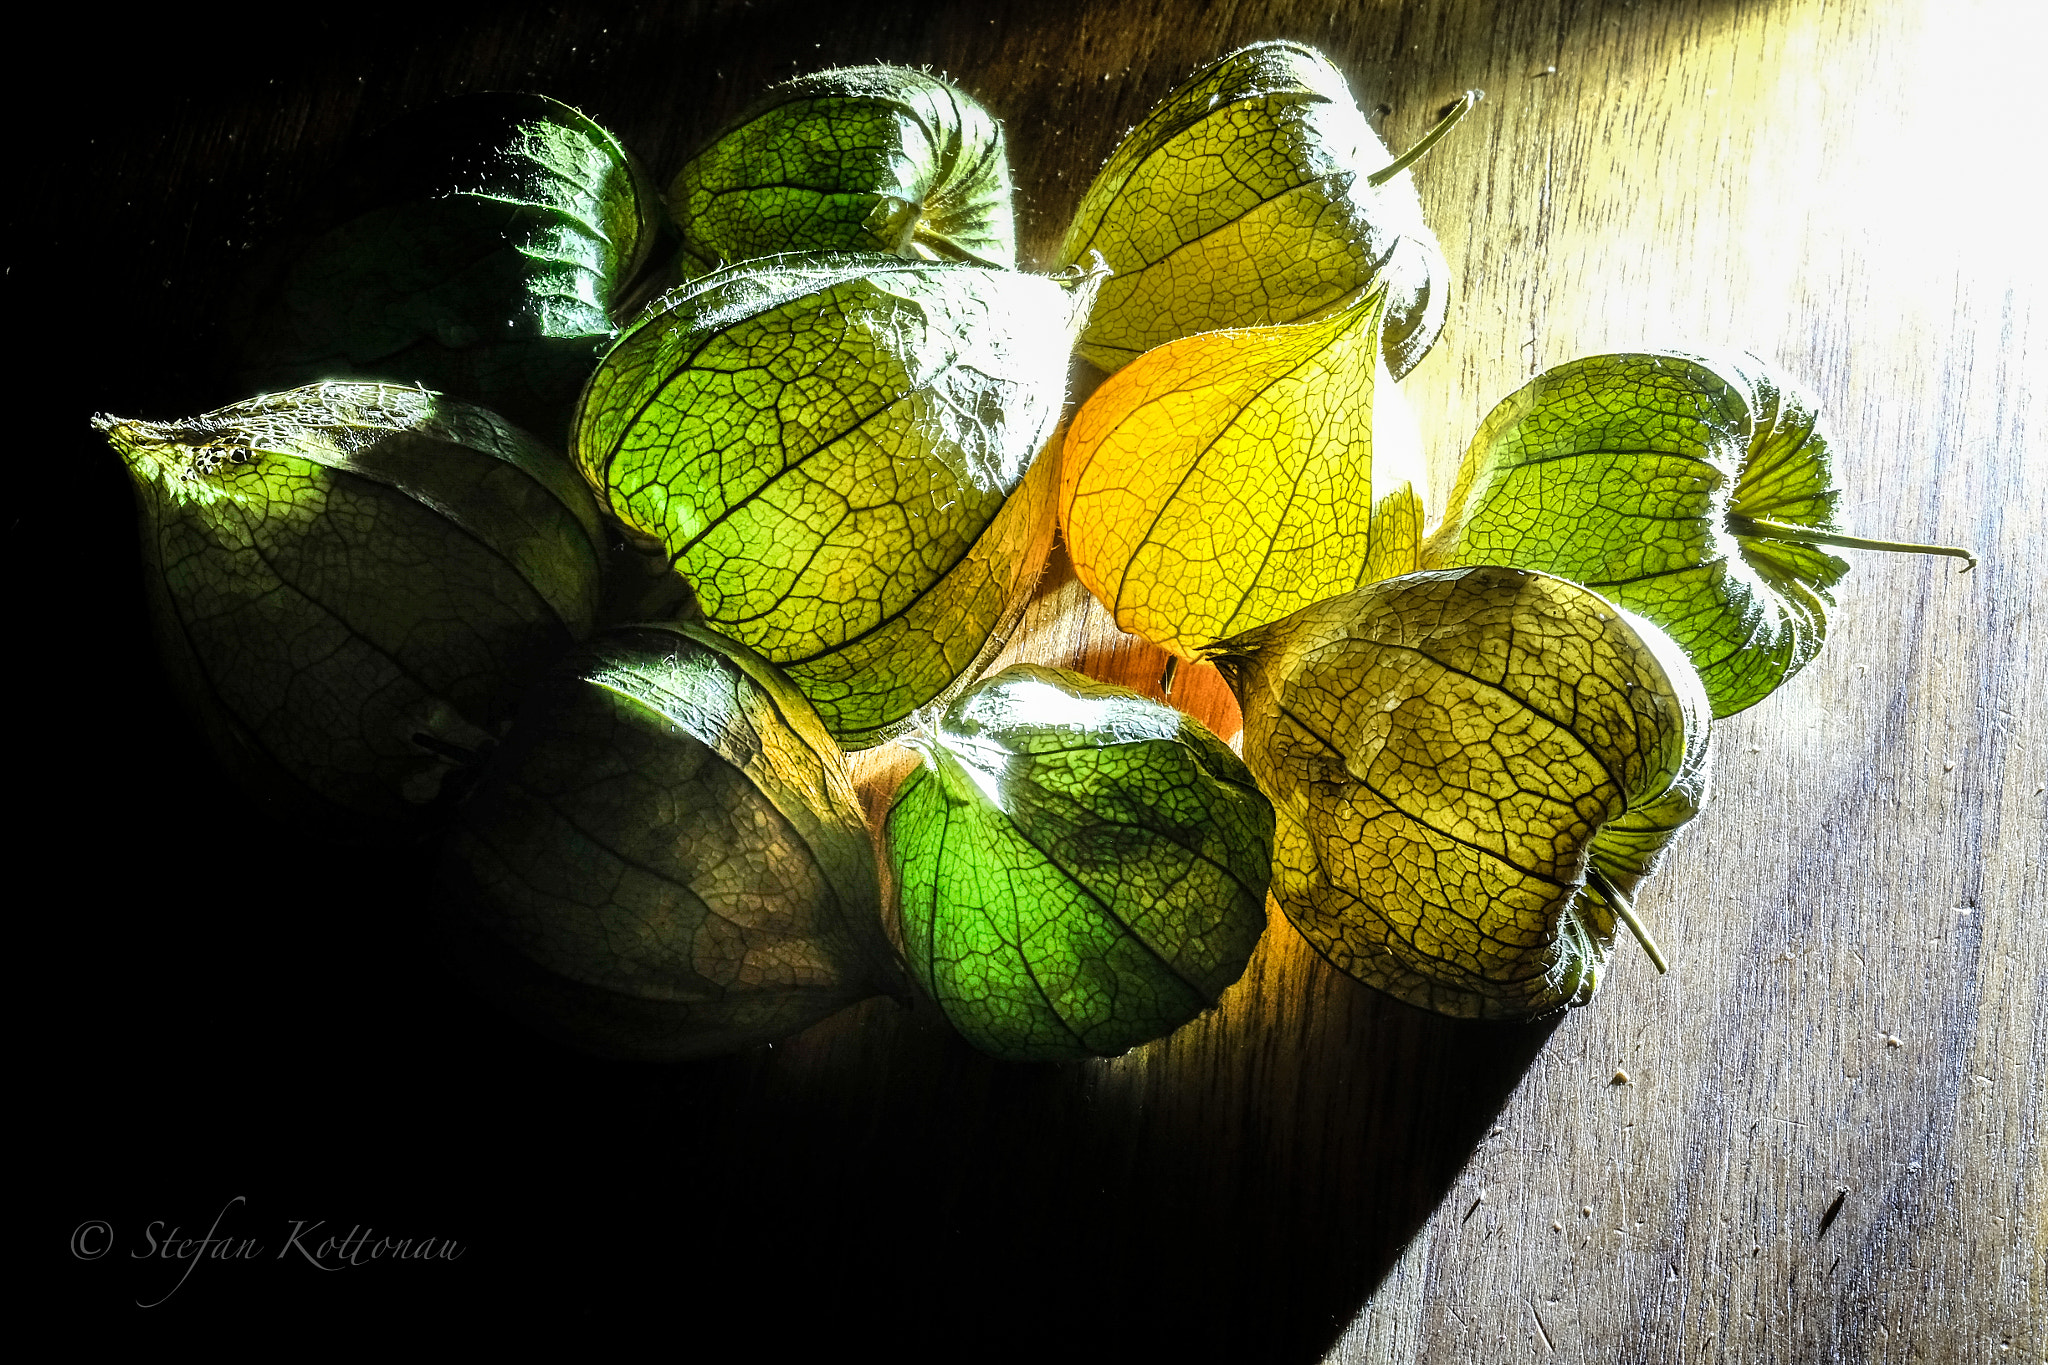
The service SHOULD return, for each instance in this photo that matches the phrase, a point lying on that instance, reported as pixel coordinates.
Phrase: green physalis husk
(352, 584)
(1695, 490)
(1472, 771)
(481, 248)
(1254, 194)
(1079, 869)
(864, 158)
(667, 858)
(833, 451)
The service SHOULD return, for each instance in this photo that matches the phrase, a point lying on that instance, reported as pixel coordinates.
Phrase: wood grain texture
(1858, 923)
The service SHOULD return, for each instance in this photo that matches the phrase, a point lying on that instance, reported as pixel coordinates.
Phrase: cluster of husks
(803, 502)
(1473, 762)
(809, 487)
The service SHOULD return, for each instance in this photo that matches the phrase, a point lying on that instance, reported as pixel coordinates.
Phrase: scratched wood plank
(1299, 1175)
(1870, 867)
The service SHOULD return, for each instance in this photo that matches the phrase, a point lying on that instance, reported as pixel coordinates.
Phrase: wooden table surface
(1829, 1143)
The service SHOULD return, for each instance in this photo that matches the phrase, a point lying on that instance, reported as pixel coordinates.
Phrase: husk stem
(1428, 140)
(1762, 529)
(1625, 911)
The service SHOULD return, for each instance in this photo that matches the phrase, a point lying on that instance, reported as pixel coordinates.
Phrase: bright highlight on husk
(833, 450)
(1225, 480)
(1253, 195)
(1079, 869)
(1696, 490)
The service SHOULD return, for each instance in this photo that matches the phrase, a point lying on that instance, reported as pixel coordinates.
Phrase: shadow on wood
(878, 1180)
